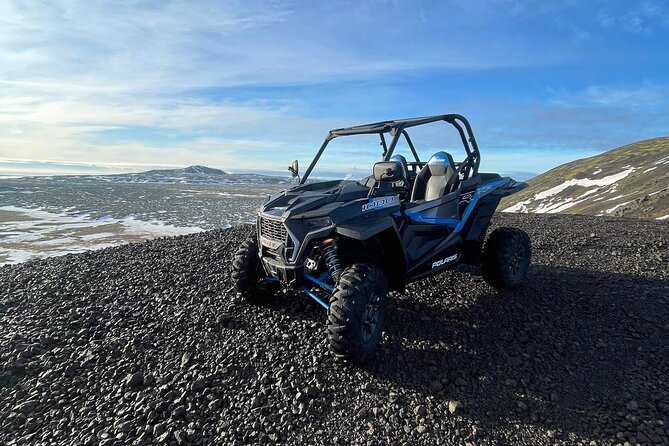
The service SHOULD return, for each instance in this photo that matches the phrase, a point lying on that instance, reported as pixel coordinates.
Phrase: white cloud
(73, 72)
(168, 46)
(641, 95)
(636, 17)
(131, 82)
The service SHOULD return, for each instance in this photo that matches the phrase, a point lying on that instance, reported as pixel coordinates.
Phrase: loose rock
(147, 343)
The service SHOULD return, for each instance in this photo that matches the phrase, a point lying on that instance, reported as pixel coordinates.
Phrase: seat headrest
(440, 163)
(403, 161)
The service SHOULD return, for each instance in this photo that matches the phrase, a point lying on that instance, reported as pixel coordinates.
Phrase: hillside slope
(630, 181)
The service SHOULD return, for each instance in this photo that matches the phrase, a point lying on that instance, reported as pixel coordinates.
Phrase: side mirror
(294, 168)
(387, 171)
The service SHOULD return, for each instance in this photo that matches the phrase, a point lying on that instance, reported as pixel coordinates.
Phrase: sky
(99, 86)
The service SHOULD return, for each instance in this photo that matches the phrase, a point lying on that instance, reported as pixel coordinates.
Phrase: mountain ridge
(195, 174)
(630, 181)
(195, 169)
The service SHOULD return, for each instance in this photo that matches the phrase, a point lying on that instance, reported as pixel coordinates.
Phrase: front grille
(273, 229)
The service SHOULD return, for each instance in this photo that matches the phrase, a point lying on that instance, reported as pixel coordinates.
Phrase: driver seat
(404, 185)
(436, 179)
(403, 161)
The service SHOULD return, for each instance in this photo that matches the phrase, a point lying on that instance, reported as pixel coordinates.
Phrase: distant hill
(519, 175)
(194, 175)
(190, 170)
(630, 181)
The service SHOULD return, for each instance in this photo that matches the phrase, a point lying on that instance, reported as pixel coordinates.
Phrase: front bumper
(283, 254)
(291, 275)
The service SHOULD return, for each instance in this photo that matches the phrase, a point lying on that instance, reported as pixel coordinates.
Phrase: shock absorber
(329, 254)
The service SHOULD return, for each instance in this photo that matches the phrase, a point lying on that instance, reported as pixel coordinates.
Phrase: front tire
(506, 258)
(248, 276)
(357, 312)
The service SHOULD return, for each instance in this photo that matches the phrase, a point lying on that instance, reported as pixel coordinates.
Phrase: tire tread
(496, 253)
(347, 304)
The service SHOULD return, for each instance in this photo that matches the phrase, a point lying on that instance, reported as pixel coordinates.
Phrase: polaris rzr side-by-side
(347, 243)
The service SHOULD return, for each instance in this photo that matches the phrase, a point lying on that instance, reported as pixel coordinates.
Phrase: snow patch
(155, 228)
(584, 182)
(96, 236)
(588, 192)
(521, 207)
(664, 160)
(548, 205)
(555, 207)
(228, 194)
(615, 198)
(608, 211)
(36, 232)
(663, 217)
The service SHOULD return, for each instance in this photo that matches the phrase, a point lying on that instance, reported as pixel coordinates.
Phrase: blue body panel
(455, 223)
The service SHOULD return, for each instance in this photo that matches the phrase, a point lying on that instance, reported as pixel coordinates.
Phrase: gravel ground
(146, 344)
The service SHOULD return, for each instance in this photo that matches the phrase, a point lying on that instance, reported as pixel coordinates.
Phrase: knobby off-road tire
(506, 258)
(248, 274)
(357, 312)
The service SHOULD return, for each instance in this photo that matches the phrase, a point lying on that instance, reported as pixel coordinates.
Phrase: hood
(301, 200)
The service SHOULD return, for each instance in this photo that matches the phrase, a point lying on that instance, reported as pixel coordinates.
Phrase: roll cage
(398, 129)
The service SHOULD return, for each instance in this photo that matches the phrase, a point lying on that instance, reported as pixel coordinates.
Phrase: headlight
(277, 211)
(318, 222)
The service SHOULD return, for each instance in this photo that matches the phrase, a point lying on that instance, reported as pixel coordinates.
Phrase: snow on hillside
(632, 180)
(549, 203)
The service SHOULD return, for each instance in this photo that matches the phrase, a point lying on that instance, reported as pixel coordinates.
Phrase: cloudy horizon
(251, 85)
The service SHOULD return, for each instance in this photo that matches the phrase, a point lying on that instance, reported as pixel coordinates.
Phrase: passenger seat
(437, 178)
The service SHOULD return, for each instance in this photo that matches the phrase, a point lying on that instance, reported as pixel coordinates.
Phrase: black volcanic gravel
(147, 344)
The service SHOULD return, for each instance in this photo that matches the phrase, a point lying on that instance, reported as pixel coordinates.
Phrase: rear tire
(357, 312)
(506, 258)
(248, 276)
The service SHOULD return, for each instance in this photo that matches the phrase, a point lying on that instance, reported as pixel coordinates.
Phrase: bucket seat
(437, 178)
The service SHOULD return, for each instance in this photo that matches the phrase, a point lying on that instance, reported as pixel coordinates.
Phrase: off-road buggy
(347, 243)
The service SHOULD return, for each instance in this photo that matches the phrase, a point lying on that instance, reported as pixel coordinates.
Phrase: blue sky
(242, 85)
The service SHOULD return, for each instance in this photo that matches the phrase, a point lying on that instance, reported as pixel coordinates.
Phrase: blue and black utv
(347, 243)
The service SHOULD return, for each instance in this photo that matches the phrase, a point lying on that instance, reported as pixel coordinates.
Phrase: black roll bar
(397, 128)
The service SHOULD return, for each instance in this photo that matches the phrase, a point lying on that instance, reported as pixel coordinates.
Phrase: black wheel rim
(370, 318)
(516, 260)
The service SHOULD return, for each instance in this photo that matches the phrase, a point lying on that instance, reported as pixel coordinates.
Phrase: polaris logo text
(442, 262)
(379, 203)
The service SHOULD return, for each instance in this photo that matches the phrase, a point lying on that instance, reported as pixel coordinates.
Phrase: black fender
(512, 187)
(364, 227)
(489, 196)
(380, 234)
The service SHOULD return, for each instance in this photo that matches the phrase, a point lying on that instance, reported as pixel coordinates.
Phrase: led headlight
(318, 222)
